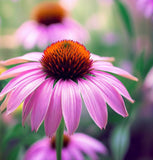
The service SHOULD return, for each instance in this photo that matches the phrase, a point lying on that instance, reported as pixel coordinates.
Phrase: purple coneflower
(55, 82)
(73, 148)
(147, 6)
(50, 23)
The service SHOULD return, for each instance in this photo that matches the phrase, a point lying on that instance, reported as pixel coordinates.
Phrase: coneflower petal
(115, 83)
(33, 56)
(21, 92)
(27, 106)
(94, 102)
(54, 113)
(71, 105)
(111, 96)
(41, 102)
(19, 80)
(19, 69)
(115, 70)
(92, 143)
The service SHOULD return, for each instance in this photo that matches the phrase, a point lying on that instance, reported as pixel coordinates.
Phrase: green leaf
(126, 18)
(139, 65)
(119, 141)
(15, 152)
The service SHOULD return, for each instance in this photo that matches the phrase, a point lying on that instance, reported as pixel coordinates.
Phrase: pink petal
(24, 30)
(41, 102)
(33, 56)
(111, 96)
(15, 82)
(113, 69)
(43, 38)
(75, 153)
(83, 147)
(40, 150)
(27, 106)
(32, 38)
(99, 58)
(5, 102)
(66, 155)
(89, 142)
(94, 102)
(115, 83)
(71, 105)
(21, 92)
(19, 69)
(54, 113)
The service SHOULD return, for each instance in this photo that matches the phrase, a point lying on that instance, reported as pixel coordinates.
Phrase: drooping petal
(5, 102)
(75, 153)
(21, 92)
(27, 106)
(39, 150)
(89, 142)
(86, 150)
(94, 102)
(32, 37)
(24, 30)
(15, 82)
(115, 83)
(71, 105)
(99, 58)
(43, 38)
(111, 96)
(33, 56)
(113, 69)
(19, 69)
(54, 113)
(41, 102)
(66, 155)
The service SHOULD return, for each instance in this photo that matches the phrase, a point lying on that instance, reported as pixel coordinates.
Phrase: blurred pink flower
(147, 7)
(50, 23)
(74, 147)
(68, 4)
(54, 82)
(148, 85)
(147, 94)
(8, 119)
(110, 38)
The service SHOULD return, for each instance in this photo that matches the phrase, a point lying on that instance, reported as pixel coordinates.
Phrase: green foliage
(119, 141)
(125, 16)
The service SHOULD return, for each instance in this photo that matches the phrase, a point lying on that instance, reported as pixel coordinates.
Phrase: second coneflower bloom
(147, 7)
(54, 83)
(74, 148)
(49, 23)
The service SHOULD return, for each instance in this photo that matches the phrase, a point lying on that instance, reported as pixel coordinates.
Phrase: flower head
(54, 83)
(49, 23)
(73, 148)
(147, 7)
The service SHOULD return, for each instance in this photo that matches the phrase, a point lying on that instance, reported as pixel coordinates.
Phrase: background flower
(74, 147)
(147, 7)
(50, 22)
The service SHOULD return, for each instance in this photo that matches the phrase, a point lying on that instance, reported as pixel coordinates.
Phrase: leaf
(15, 153)
(139, 65)
(119, 141)
(126, 18)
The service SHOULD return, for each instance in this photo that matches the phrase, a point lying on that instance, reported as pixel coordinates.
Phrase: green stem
(59, 140)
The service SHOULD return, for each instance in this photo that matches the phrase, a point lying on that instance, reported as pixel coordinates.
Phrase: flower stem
(59, 140)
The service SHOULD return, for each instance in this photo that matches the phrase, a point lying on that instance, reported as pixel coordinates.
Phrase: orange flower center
(66, 140)
(66, 59)
(48, 13)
